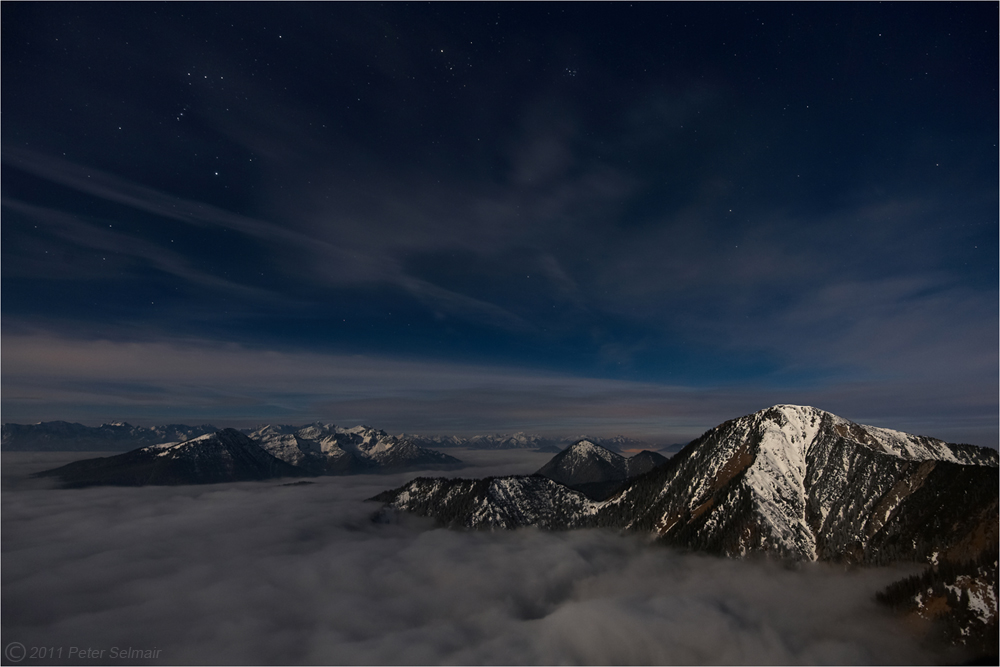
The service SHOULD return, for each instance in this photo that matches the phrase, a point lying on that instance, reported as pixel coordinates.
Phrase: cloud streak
(228, 384)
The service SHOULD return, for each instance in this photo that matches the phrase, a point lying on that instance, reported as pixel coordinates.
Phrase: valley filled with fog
(261, 572)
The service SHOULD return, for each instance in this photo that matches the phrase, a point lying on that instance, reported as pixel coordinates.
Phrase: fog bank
(260, 573)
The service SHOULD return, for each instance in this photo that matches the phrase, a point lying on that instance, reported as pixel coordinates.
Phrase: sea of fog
(262, 573)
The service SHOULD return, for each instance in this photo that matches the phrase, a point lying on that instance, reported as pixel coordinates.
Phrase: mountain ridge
(798, 483)
(329, 449)
(224, 456)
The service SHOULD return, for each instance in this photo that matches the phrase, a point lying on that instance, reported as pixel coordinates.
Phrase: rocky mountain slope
(225, 456)
(491, 502)
(790, 481)
(959, 599)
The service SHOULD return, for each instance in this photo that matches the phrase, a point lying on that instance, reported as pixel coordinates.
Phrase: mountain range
(616, 443)
(225, 456)
(791, 482)
(327, 449)
(121, 436)
(268, 452)
(60, 436)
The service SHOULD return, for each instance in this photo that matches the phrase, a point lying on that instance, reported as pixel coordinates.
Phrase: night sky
(460, 218)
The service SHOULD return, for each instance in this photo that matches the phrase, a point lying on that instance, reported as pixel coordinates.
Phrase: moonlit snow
(261, 573)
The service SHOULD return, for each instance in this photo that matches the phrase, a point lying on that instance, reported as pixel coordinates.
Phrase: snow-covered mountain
(329, 449)
(71, 437)
(594, 470)
(225, 456)
(806, 484)
(268, 451)
(791, 481)
(491, 502)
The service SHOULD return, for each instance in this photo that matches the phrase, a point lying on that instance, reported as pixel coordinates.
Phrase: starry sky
(459, 218)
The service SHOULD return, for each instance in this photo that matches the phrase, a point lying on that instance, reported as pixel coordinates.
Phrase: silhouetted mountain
(594, 470)
(226, 456)
(643, 462)
(670, 450)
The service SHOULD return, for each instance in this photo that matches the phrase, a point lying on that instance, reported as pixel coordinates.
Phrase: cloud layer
(94, 381)
(266, 574)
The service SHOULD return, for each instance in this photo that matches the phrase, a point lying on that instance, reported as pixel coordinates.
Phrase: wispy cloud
(46, 377)
(121, 247)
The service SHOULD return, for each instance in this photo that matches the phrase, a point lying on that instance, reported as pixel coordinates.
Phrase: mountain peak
(584, 462)
(792, 481)
(225, 456)
(798, 427)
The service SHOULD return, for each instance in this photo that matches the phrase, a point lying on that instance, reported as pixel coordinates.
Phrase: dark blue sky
(492, 217)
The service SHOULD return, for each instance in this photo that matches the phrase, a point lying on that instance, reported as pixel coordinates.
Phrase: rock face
(59, 436)
(225, 456)
(596, 471)
(326, 449)
(491, 502)
(960, 599)
(789, 481)
(805, 484)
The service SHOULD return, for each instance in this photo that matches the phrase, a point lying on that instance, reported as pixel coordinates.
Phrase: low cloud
(47, 377)
(260, 573)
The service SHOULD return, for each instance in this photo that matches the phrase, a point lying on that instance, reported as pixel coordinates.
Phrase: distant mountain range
(120, 436)
(225, 456)
(59, 436)
(327, 449)
(617, 443)
(268, 452)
